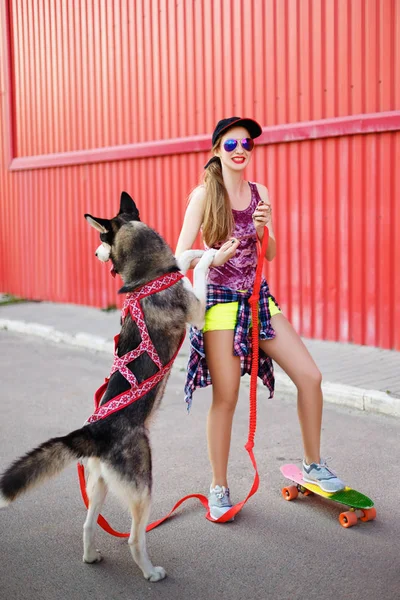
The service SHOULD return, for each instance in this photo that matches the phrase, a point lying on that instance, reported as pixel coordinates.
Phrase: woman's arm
(262, 217)
(191, 223)
(191, 226)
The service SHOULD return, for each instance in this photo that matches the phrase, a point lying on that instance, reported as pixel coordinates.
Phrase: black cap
(252, 127)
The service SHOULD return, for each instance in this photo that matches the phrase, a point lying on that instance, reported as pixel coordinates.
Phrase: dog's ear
(102, 225)
(128, 207)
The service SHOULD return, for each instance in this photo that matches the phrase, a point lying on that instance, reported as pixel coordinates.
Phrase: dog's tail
(43, 462)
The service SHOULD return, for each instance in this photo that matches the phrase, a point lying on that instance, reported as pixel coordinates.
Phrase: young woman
(232, 214)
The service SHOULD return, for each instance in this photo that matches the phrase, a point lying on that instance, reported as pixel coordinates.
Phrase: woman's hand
(226, 252)
(262, 216)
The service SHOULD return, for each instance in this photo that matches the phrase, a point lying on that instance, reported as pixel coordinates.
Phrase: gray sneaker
(323, 476)
(219, 502)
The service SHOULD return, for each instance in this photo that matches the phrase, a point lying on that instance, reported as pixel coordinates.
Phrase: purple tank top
(238, 272)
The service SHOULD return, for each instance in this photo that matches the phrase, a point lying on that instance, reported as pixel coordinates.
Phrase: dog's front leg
(186, 258)
(200, 288)
(199, 275)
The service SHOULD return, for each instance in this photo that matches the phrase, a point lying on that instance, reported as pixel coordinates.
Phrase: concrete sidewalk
(361, 377)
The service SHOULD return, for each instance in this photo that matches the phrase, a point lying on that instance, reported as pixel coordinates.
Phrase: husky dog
(118, 446)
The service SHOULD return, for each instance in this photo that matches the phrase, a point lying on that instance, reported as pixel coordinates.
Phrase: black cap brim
(254, 128)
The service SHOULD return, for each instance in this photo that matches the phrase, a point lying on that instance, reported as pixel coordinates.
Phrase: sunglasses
(246, 143)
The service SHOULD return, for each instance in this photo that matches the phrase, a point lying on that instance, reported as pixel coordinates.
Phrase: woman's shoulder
(262, 190)
(198, 194)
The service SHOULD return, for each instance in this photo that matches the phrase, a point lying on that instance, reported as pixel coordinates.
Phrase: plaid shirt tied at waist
(198, 374)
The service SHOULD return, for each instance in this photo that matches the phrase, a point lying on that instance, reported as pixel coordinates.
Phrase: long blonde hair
(218, 222)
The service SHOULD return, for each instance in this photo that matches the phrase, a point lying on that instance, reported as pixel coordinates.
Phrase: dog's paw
(157, 574)
(207, 258)
(199, 324)
(4, 502)
(92, 556)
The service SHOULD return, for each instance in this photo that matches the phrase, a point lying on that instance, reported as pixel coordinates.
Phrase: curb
(373, 401)
(82, 340)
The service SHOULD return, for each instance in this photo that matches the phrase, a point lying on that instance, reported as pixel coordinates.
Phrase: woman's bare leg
(225, 374)
(289, 351)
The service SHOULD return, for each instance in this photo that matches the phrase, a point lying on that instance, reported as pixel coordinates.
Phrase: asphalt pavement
(274, 549)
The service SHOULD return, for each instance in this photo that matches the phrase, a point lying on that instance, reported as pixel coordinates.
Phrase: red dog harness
(137, 390)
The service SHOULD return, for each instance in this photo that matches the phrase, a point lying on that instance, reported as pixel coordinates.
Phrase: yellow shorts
(223, 316)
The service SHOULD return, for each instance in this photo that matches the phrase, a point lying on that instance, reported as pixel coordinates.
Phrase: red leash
(253, 300)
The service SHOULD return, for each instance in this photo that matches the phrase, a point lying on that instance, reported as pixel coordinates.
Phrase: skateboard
(360, 506)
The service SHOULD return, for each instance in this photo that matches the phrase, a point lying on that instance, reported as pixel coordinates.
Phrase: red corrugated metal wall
(99, 96)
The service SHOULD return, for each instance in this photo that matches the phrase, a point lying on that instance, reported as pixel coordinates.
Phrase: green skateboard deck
(348, 497)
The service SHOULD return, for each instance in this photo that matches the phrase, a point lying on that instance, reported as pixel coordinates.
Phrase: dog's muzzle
(103, 253)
